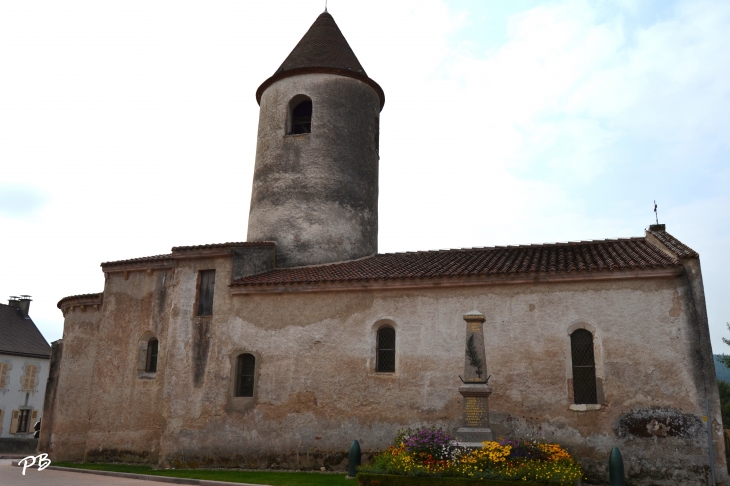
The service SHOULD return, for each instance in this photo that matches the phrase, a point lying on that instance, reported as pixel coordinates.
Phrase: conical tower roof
(323, 49)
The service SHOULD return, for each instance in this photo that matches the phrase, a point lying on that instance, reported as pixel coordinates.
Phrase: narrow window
(28, 383)
(245, 367)
(4, 375)
(386, 350)
(206, 283)
(23, 419)
(301, 118)
(584, 367)
(377, 134)
(152, 347)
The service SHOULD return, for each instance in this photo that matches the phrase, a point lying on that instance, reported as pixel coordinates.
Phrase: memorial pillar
(474, 388)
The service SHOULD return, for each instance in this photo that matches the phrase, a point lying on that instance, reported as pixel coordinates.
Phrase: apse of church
(290, 345)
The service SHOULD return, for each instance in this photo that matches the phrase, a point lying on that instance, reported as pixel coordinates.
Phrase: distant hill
(722, 371)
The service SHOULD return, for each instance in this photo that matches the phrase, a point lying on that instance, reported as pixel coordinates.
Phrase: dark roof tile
(322, 46)
(323, 49)
(676, 246)
(584, 256)
(19, 334)
(176, 249)
(147, 259)
(63, 301)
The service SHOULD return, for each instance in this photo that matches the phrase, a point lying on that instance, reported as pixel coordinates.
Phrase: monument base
(473, 435)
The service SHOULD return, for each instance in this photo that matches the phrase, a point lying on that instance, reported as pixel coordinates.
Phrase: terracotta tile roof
(679, 248)
(148, 259)
(183, 249)
(19, 335)
(323, 49)
(584, 256)
(63, 301)
(176, 249)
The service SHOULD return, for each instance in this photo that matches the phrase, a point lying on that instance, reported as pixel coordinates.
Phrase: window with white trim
(584, 367)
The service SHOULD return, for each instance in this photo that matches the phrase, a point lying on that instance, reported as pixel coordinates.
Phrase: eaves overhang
(451, 282)
(322, 70)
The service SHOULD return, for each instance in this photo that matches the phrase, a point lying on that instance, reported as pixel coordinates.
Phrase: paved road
(13, 476)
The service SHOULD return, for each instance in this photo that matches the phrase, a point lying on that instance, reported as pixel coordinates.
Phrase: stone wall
(69, 426)
(126, 408)
(317, 389)
(316, 194)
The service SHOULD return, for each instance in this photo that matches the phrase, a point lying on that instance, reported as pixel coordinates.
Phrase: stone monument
(474, 388)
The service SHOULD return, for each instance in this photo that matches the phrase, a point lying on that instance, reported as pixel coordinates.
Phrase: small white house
(24, 365)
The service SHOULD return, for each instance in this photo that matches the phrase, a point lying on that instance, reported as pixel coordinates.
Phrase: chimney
(14, 301)
(24, 304)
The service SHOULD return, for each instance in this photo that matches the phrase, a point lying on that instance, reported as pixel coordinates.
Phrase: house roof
(147, 259)
(540, 259)
(19, 335)
(584, 256)
(79, 298)
(676, 246)
(180, 251)
(323, 49)
(239, 244)
(322, 46)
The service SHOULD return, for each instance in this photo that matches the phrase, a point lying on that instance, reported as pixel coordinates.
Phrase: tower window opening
(151, 362)
(385, 361)
(245, 367)
(584, 367)
(206, 286)
(301, 118)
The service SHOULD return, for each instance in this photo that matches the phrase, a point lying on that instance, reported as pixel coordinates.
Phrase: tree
(724, 387)
(724, 358)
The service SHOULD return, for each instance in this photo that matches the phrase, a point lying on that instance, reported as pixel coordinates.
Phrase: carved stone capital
(474, 316)
(475, 390)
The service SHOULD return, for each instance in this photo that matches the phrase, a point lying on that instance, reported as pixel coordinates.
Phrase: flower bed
(429, 452)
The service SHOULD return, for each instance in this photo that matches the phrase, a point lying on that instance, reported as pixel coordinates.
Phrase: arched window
(584, 367)
(300, 115)
(151, 361)
(245, 368)
(386, 350)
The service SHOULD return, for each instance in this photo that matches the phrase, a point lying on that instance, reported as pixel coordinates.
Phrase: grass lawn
(273, 478)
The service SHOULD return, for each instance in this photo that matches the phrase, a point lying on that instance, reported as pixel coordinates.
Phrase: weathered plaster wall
(191, 342)
(126, 406)
(316, 388)
(75, 377)
(50, 396)
(316, 194)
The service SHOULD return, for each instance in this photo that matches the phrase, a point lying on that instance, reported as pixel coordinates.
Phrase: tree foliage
(724, 358)
(724, 387)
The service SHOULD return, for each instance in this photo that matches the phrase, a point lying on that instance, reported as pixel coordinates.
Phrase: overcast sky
(128, 127)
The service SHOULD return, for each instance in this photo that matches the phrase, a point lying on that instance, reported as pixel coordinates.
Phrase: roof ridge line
(524, 245)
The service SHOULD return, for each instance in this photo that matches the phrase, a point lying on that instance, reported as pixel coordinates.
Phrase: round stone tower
(315, 184)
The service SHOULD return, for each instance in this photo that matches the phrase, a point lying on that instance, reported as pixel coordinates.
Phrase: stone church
(280, 350)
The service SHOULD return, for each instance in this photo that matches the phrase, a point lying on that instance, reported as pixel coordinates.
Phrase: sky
(129, 127)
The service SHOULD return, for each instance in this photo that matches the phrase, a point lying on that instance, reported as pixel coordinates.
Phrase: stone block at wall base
(18, 446)
(474, 435)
